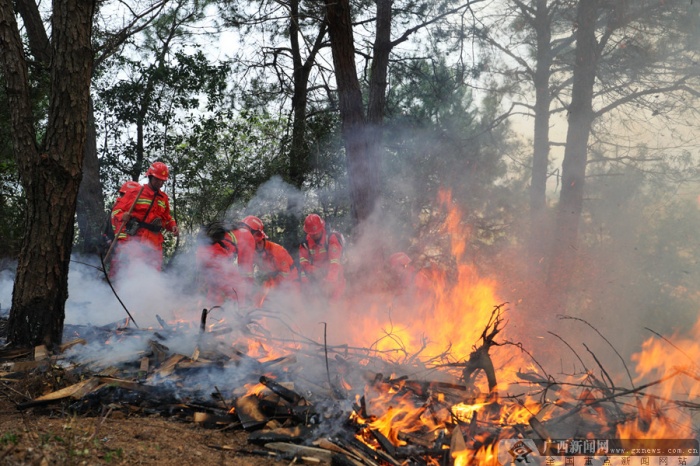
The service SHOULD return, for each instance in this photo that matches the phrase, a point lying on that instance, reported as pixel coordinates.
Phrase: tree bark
(540, 156)
(51, 172)
(380, 64)
(299, 151)
(90, 210)
(39, 44)
(576, 152)
(363, 168)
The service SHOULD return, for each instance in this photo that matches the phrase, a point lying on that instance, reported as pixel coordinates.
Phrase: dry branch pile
(329, 405)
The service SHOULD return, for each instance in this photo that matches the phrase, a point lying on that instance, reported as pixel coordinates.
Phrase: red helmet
(255, 225)
(313, 224)
(399, 260)
(159, 170)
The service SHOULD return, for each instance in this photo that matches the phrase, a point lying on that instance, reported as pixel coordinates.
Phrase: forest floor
(53, 436)
(47, 438)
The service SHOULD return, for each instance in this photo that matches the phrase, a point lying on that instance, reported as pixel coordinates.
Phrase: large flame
(668, 365)
(449, 326)
(455, 324)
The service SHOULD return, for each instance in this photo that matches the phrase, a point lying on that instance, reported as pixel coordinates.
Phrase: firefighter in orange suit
(274, 264)
(320, 259)
(242, 277)
(140, 233)
(216, 264)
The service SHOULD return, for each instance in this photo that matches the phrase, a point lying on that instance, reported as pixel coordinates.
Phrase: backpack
(341, 240)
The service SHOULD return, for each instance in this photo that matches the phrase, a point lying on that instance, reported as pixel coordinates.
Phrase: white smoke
(6, 283)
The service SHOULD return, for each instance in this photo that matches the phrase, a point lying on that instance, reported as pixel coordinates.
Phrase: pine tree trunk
(539, 220)
(50, 174)
(363, 168)
(90, 209)
(576, 152)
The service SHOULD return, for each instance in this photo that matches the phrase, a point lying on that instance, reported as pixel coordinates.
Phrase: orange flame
(447, 327)
(670, 366)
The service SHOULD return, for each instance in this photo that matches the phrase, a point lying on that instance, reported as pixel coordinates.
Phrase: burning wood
(394, 420)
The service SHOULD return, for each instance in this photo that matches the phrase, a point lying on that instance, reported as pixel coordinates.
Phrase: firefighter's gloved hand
(176, 230)
(126, 217)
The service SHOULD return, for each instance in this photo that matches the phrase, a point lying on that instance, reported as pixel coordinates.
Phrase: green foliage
(160, 100)
(9, 438)
(113, 455)
(185, 108)
(221, 162)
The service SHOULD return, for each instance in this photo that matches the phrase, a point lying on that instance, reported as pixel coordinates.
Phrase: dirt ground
(41, 436)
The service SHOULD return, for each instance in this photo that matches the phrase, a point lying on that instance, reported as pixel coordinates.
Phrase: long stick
(109, 282)
(121, 226)
(325, 350)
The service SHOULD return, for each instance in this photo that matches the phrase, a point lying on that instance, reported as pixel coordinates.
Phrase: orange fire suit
(215, 266)
(275, 268)
(321, 265)
(242, 276)
(145, 241)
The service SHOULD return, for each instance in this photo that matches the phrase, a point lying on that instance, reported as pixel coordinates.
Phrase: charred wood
(75, 391)
(285, 456)
(249, 413)
(212, 420)
(384, 442)
(339, 459)
(285, 393)
(539, 428)
(163, 324)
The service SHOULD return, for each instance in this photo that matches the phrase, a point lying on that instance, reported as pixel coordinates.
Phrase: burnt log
(384, 442)
(286, 394)
(249, 413)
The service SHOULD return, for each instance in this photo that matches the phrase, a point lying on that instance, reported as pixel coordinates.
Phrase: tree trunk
(51, 174)
(299, 151)
(363, 168)
(576, 152)
(539, 224)
(380, 65)
(90, 209)
(39, 44)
